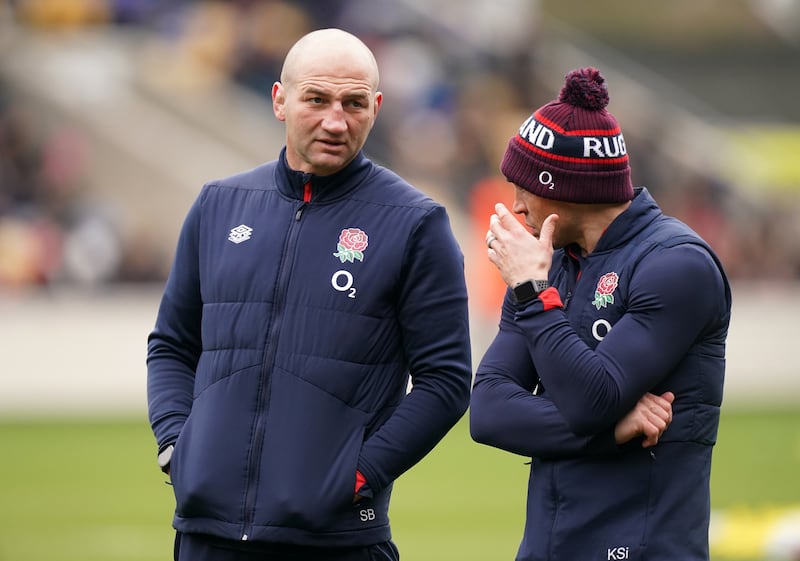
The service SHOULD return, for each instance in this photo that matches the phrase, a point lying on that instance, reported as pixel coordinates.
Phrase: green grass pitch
(89, 490)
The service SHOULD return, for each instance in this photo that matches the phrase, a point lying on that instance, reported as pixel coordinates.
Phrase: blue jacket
(647, 310)
(296, 309)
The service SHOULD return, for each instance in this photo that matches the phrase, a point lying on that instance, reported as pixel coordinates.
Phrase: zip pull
(306, 200)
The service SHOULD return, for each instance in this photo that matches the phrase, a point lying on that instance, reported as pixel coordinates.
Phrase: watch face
(524, 292)
(529, 290)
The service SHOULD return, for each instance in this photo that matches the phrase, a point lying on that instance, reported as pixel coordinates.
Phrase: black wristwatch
(529, 290)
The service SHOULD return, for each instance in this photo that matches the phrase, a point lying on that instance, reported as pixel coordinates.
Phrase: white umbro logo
(240, 234)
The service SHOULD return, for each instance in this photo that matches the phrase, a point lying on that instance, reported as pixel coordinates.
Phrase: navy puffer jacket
(296, 309)
(647, 310)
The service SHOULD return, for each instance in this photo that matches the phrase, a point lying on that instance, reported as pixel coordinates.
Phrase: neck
(595, 222)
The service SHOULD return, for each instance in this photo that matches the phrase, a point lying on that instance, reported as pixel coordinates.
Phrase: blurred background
(113, 113)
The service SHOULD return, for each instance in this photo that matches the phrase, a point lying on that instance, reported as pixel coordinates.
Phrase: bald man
(304, 296)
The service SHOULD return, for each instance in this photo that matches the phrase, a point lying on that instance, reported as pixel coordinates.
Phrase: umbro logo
(240, 234)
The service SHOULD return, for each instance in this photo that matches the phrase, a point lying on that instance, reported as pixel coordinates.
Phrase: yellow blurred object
(202, 55)
(273, 27)
(209, 36)
(63, 13)
(746, 533)
(764, 158)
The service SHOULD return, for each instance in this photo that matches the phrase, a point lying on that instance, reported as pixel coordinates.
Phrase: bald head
(326, 50)
(328, 97)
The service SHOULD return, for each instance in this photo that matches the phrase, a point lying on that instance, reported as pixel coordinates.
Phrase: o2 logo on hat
(546, 179)
(350, 247)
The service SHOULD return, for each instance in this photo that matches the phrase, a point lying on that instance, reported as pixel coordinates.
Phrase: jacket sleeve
(674, 295)
(505, 413)
(174, 345)
(433, 318)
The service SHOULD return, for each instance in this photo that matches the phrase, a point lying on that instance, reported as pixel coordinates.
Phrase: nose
(519, 205)
(334, 121)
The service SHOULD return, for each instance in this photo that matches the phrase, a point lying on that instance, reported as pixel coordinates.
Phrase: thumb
(548, 228)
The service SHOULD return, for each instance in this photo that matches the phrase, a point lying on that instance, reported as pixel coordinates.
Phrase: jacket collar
(292, 183)
(642, 211)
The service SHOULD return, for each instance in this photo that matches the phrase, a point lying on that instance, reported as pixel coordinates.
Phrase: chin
(332, 162)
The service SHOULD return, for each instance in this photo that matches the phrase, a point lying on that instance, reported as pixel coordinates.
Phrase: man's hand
(518, 255)
(650, 417)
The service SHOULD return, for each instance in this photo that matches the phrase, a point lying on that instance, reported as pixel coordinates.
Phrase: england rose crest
(351, 246)
(604, 293)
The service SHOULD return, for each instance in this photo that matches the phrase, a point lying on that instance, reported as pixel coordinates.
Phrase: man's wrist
(528, 290)
(165, 457)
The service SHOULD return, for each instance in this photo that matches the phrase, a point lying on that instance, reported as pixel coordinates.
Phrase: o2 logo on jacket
(343, 282)
(350, 247)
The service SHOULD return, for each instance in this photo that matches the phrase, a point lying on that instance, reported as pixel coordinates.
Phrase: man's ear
(278, 101)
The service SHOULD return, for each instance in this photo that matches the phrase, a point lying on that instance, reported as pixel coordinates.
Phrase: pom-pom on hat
(572, 149)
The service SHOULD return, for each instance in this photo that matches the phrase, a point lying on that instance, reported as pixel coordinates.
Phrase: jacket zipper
(263, 394)
(572, 280)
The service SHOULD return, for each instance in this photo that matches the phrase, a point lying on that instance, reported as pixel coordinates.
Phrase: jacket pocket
(309, 459)
(211, 452)
(605, 502)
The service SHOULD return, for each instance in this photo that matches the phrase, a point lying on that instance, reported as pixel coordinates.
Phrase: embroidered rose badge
(351, 246)
(604, 293)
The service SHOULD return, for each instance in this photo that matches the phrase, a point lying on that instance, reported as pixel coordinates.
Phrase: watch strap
(529, 290)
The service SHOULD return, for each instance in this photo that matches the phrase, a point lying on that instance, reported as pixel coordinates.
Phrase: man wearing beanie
(608, 366)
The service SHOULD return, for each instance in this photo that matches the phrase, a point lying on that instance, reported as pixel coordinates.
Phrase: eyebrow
(313, 90)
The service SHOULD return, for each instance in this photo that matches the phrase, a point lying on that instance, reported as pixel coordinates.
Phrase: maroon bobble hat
(572, 149)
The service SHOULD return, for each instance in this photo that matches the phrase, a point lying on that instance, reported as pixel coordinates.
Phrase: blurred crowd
(458, 78)
(52, 228)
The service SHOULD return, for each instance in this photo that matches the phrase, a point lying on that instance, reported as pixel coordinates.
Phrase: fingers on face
(503, 217)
